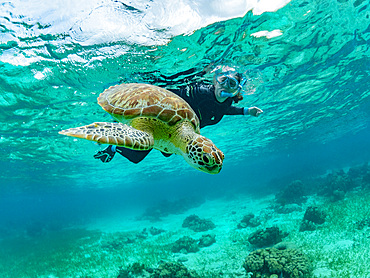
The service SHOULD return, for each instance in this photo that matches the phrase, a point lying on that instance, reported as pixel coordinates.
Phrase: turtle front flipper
(114, 134)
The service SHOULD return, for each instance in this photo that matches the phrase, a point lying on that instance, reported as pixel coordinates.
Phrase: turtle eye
(206, 158)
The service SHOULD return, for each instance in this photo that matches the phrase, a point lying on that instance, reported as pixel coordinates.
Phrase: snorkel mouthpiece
(226, 94)
(233, 94)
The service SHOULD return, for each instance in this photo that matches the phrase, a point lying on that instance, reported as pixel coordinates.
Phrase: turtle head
(203, 155)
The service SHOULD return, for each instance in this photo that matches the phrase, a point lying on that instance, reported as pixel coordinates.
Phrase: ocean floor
(107, 247)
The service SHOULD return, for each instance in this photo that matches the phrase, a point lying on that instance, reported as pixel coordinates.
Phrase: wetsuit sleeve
(233, 110)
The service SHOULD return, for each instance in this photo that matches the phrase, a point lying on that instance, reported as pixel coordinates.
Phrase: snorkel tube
(241, 84)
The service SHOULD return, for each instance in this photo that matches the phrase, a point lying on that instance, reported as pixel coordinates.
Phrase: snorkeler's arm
(233, 110)
(252, 111)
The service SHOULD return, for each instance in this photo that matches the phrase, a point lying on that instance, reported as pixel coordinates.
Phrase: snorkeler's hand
(254, 111)
(105, 155)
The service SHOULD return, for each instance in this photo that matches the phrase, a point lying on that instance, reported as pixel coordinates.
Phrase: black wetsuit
(202, 99)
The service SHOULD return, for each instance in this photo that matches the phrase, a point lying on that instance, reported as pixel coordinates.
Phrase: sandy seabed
(337, 248)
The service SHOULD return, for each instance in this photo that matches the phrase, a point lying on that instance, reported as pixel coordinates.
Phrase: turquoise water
(309, 73)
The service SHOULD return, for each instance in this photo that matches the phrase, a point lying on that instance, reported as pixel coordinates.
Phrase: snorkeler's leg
(132, 155)
(108, 153)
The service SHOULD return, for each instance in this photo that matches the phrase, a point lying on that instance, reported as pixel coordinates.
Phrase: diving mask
(227, 80)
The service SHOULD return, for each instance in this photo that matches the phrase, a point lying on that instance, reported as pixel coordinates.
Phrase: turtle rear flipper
(114, 134)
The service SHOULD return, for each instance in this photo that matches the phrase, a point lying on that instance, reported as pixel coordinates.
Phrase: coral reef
(207, 240)
(312, 218)
(335, 185)
(272, 262)
(358, 172)
(249, 220)
(185, 245)
(131, 271)
(294, 193)
(165, 208)
(151, 231)
(315, 215)
(366, 180)
(288, 208)
(155, 231)
(143, 234)
(189, 245)
(197, 224)
(173, 270)
(117, 241)
(266, 237)
(307, 226)
(364, 223)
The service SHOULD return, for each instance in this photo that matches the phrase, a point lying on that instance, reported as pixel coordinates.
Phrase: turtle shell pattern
(128, 101)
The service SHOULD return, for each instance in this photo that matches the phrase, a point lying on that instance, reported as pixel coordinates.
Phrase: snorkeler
(209, 102)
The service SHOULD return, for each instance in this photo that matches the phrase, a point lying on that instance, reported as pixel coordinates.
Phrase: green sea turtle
(152, 117)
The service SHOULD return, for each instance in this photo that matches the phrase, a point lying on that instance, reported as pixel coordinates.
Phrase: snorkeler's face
(225, 83)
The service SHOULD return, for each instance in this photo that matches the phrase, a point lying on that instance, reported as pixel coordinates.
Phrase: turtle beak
(218, 157)
(215, 169)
